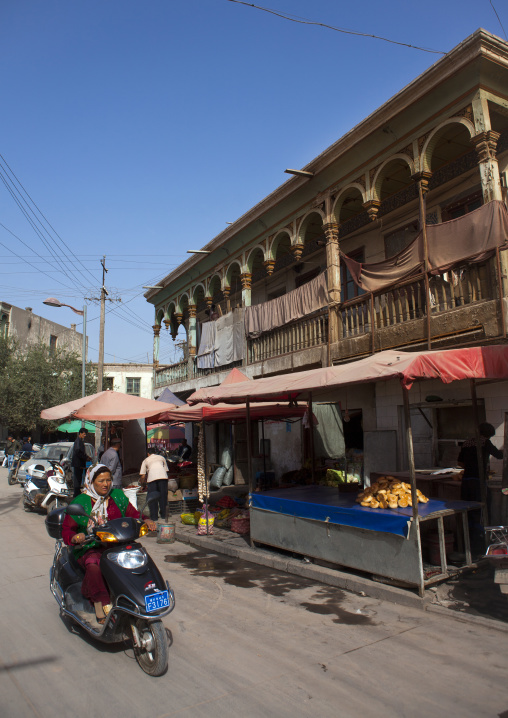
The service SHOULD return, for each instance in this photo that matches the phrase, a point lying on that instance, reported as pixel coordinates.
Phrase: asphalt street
(244, 640)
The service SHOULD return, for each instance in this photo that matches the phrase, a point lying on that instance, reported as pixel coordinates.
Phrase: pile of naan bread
(388, 493)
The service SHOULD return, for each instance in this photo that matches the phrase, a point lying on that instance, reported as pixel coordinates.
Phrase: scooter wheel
(152, 655)
(11, 478)
(55, 504)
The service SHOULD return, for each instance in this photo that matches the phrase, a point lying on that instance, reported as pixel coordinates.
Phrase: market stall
(333, 527)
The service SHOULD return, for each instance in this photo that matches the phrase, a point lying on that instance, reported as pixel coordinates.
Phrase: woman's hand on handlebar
(79, 538)
(152, 525)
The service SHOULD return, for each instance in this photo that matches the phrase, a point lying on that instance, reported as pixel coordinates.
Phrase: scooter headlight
(128, 559)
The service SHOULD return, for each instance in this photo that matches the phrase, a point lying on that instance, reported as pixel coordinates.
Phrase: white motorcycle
(46, 488)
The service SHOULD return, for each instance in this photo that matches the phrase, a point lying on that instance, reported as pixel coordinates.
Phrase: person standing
(471, 489)
(154, 472)
(78, 461)
(184, 451)
(111, 459)
(13, 445)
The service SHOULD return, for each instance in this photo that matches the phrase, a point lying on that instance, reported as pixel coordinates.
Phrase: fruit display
(389, 493)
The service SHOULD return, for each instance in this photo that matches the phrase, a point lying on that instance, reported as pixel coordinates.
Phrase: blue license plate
(156, 600)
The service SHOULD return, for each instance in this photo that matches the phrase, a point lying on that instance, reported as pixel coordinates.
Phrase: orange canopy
(108, 406)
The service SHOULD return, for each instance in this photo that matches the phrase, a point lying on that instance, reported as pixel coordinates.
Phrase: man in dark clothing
(13, 445)
(184, 451)
(468, 459)
(78, 461)
(471, 489)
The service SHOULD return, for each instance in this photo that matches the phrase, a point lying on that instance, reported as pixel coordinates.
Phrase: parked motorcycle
(19, 459)
(46, 488)
(139, 595)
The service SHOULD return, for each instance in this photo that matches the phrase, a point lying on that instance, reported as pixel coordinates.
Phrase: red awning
(229, 412)
(447, 365)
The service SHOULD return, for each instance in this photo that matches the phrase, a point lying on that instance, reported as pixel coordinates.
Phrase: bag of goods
(202, 524)
(226, 502)
(218, 476)
(389, 493)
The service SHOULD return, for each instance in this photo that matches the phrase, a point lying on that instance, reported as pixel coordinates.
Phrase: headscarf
(99, 507)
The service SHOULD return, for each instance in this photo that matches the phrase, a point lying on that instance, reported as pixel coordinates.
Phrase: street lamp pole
(52, 302)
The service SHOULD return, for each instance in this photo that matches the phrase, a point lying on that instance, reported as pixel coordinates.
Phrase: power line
(499, 19)
(304, 21)
(66, 246)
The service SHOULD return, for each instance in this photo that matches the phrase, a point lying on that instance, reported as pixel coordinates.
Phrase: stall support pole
(206, 476)
(412, 479)
(500, 291)
(249, 453)
(479, 455)
(311, 424)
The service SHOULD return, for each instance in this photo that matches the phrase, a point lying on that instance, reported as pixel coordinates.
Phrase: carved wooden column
(269, 265)
(246, 279)
(331, 231)
(422, 178)
(297, 250)
(485, 144)
(372, 207)
(156, 343)
(179, 317)
(192, 340)
(226, 293)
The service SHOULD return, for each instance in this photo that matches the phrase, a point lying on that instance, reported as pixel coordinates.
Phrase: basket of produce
(187, 481)
(241, 524)
(389, 493)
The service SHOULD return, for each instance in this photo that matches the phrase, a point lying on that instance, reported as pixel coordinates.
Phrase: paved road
(245, 641)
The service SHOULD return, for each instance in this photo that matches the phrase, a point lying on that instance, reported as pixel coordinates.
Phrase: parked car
(61, 452)
(3, 444)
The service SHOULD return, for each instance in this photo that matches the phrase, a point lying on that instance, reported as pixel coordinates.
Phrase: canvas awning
(230, 412)
(108, 406)
(447, 365)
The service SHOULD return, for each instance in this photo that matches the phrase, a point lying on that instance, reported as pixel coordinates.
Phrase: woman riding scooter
(103, 504)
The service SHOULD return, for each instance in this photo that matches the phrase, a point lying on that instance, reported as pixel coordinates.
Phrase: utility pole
(100, 364)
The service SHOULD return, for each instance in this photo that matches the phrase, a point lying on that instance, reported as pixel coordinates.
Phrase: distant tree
(35, 379)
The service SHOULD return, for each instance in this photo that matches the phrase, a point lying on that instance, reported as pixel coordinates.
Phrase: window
(304, 278)
(133, 385)
(349, 289)
(462, 206)
(52, 344)
(396, 241)
(107, 383)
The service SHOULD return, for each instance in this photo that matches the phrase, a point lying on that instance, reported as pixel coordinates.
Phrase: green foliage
(36, 379)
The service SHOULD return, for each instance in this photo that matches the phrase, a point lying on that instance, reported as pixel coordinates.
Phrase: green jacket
(84, 500)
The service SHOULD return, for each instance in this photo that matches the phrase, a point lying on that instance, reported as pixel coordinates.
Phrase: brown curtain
(473, 237)
(293, 305)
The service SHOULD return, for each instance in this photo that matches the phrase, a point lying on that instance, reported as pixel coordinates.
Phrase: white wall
(120, 373)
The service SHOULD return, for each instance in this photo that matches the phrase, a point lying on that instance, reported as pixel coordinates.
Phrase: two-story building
(435, 153)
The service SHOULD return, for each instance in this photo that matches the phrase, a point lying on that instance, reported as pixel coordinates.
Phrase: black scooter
(139, 595)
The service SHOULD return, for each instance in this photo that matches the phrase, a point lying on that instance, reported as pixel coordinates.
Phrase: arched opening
(234, 282)
(281, 251)
(348, 205)
(311, 233)
(448, 144)
(256, 266)
(394, 177)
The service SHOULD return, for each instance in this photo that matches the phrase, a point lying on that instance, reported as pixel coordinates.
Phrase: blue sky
(139, 129)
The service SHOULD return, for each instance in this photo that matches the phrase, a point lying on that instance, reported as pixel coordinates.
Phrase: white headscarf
(99, 507)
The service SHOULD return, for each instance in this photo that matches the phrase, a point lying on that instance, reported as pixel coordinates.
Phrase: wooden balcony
(167, 375)
(312, 331)
(463, 301)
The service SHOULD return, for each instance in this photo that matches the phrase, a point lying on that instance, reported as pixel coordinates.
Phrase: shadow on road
(28, 664)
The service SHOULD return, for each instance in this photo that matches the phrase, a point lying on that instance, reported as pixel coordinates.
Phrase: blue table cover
(323, 503)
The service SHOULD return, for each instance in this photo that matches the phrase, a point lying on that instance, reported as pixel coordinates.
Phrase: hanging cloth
(329, 432)
(206, 351)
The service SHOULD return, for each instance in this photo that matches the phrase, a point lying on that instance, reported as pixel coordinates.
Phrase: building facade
(434, 153)
(135, 379)
(28, 329)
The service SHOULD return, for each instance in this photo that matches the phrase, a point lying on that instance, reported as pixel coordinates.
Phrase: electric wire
(65, 245)
(499, 19)
(305, 21)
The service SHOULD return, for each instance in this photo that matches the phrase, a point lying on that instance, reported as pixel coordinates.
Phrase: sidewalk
(471, 596)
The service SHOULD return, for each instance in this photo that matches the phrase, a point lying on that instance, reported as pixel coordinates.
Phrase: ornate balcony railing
(302, 334)
(172, 374)
(406, 301)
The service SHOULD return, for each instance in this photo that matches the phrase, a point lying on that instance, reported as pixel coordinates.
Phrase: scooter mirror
(76, 510)
(152, 496)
